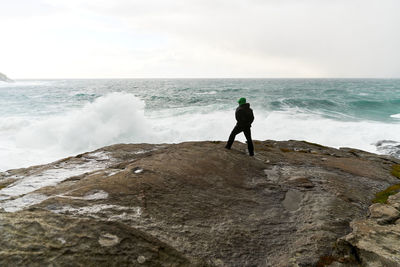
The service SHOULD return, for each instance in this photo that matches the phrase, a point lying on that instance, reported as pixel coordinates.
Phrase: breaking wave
(124, 118)
(117, 117)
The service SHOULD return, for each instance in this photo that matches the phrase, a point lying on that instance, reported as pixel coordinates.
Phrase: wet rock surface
(193, 203)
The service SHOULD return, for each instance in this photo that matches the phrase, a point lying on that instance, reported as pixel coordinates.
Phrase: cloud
(220, 38)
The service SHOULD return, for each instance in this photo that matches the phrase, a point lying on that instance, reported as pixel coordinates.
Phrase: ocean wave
(304, 103)
(122, 118)
(12, 124)
(23, 83)
(371, 104)
(388, 147)
(396, 116)
(207, 93)
(113, 118)
(281, 125)
(333, 91)
(378, 110)
(116, 117)
(83, 95)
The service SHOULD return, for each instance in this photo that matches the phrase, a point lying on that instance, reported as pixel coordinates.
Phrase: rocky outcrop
(195, 204)
(4, 78)
(375, 241)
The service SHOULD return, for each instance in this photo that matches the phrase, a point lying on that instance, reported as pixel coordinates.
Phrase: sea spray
(115, 117)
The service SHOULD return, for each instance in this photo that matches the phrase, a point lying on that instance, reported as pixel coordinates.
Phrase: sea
(45, 120)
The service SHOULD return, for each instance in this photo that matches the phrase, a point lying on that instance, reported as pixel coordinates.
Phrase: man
(244, 117)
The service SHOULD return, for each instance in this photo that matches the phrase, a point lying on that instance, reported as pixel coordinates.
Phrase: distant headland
(4, 78)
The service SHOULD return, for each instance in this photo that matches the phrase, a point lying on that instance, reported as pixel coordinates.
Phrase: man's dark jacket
(244, 116)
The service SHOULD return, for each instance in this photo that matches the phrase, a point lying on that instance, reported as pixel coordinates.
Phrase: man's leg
(250, 146)
(232, 136)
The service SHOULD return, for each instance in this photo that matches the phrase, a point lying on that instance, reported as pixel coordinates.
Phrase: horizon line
(193, 78)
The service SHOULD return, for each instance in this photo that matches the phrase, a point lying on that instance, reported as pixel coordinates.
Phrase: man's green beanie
(242, 101)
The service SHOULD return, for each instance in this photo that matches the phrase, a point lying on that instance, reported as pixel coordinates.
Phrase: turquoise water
(343, 99)
(41, 120)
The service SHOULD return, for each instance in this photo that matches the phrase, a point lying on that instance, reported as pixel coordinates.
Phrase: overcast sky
(199, 38)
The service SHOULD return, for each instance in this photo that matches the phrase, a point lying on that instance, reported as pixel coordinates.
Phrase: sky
(200, 38)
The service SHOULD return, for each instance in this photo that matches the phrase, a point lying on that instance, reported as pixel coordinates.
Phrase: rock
(394, 201)
(374, 244)
(198, 204)
(292, 200)
(4, 78)
(375, 241)
(383, 213)
(108, 240)
(301, 182)
(43, 238)
(141, 259)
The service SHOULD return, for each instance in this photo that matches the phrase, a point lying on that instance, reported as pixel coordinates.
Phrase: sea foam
(396, 116)
(116, 117)
(123, 118)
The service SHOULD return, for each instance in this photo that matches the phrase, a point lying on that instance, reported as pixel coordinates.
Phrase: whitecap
(207, 93)
(395, 116)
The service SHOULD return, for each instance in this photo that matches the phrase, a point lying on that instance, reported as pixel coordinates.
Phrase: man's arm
(240, 116)
(251, 116)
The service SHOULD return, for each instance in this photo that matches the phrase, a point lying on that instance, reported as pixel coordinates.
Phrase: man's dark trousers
(247, 134)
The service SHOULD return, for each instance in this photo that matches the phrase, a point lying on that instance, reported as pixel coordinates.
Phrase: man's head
(242, 101)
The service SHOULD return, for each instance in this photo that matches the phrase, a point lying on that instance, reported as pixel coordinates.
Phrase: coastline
(196, 203)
